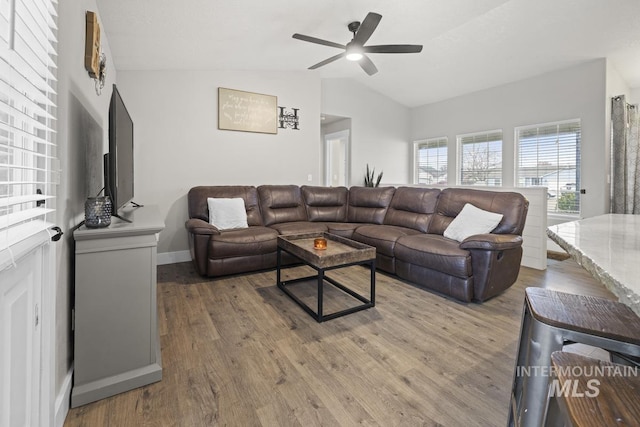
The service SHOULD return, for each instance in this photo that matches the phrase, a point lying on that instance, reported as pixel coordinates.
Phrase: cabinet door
(20, 340)
(113, 331)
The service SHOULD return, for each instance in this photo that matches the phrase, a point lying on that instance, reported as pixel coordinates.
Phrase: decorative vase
(97, 212)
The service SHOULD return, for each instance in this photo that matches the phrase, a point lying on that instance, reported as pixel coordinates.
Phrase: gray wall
(572, 93)
(83, 120)
(379, 129)
(178, 144)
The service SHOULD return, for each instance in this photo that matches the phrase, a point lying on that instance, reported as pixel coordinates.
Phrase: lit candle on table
(320, 243)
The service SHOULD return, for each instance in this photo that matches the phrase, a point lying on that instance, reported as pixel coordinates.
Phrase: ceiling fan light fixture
(356, 50)
(354, 53)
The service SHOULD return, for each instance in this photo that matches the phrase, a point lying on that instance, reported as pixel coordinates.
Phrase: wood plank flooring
(238, 352)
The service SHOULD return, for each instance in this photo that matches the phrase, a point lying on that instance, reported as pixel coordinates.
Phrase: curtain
(625, 146)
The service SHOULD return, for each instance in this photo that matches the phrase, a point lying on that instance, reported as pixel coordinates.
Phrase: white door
(336, 158)
(20, 340)
(27, 328)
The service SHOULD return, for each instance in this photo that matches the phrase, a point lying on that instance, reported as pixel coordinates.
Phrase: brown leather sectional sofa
(404, 224)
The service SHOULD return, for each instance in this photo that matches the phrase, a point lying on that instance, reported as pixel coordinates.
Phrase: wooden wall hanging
(92, 45)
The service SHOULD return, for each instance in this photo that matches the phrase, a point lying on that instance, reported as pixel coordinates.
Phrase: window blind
(431, 161)
(549, 155)
(481, 158)
(27, 136)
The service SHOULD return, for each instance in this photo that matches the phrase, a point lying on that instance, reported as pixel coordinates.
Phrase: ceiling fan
(355, 50)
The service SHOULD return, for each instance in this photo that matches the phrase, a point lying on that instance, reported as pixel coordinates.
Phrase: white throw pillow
(226, 214)
(472, 220)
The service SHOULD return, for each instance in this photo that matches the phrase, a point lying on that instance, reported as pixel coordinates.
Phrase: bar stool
(550, 320)
(601, 393)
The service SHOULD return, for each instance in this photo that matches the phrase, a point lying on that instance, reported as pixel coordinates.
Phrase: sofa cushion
(513, 207)
(198, 207)
(281, 203)
(412, 207)
(299, 227)
(243, 242)
(471, 221)
(344, 229)
(434, 252)
(325, 203)
(369, 204)
(382, 237)
(225, 214)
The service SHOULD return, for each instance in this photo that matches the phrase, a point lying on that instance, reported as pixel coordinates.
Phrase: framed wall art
(247, 111)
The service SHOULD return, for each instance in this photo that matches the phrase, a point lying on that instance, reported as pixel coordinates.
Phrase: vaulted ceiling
(469, 45)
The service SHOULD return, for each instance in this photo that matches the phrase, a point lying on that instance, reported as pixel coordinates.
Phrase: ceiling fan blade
(318, 41)
(367, 65)
(367, 28)
(327, 61)
(394, 48)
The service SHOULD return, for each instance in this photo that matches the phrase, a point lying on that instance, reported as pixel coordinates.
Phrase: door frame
(48, 313)
(342, 135)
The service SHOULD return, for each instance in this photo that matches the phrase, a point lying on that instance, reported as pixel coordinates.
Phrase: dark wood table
(340, 252)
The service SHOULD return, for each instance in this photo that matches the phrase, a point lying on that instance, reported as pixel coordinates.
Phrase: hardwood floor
(238, 352)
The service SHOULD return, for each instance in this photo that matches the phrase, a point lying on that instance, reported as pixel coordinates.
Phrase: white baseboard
(173, 257)
(63, 399)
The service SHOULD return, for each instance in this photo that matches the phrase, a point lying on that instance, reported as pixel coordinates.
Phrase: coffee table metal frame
(322, 261)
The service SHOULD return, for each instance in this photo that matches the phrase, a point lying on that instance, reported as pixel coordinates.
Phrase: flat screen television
(118, 162)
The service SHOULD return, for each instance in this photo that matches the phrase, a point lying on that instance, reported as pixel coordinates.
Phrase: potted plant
(369, 175)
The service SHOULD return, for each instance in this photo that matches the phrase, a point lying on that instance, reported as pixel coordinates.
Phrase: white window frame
(27, 120)
(553, 193)
(437, 142)
(460, 152)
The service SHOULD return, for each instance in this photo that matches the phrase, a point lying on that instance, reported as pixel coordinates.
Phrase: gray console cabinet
(116, 342)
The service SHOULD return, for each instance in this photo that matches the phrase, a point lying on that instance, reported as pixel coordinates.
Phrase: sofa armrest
(198, 226)
(492, 242)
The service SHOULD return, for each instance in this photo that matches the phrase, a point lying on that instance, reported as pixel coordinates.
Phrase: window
(481, 158)
(549, 155)
(27, 150)
(430, 161)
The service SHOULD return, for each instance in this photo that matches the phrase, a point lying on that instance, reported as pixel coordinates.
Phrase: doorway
(336, 158)
(336, 140)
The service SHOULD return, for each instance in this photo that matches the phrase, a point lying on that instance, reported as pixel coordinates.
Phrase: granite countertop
(607, 246)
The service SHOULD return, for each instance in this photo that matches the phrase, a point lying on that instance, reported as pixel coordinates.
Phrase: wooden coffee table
(340, 252)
